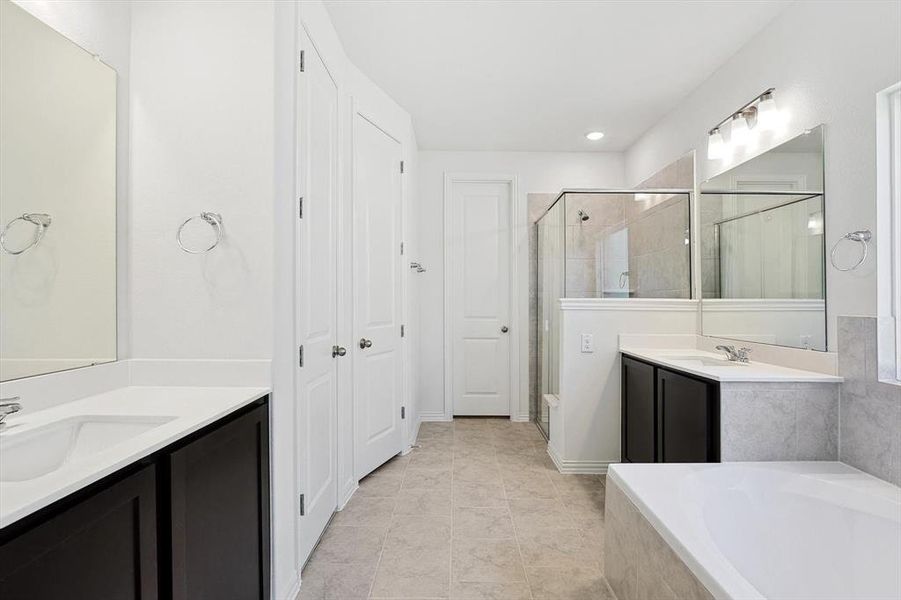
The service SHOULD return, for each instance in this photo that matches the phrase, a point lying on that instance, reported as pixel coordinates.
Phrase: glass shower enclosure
(604, 244)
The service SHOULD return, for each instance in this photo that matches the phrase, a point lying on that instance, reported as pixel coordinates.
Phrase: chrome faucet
(9, 406)
(740, 355)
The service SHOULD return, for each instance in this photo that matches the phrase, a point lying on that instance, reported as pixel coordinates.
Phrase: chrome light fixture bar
(761, 110)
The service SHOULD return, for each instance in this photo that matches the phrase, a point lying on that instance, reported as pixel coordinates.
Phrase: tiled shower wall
(869, 411)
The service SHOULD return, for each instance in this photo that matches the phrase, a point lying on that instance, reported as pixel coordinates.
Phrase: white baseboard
(577, 467)
(434, 416)
(520, 418)
(293, 589)
(347, 495)
(412, 438)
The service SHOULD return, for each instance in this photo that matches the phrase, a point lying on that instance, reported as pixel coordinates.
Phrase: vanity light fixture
(767, 113)
(594, 136)
(740, 130)
(715, 144)
(760, 112)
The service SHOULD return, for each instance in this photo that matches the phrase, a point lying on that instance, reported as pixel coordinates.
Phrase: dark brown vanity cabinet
(668, 416)
(639, 433)
(190, 521)
(103, 546)
(219, 522)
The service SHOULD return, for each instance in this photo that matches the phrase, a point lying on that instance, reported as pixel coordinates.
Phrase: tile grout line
(378, 562)
(450, 560)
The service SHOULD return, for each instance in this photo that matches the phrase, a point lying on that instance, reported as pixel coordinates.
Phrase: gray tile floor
(478, 511)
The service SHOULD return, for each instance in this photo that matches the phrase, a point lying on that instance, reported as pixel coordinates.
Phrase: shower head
(583, 216)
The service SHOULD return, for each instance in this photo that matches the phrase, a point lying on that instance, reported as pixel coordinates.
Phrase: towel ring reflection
(41, 222)
(862, 237)
(214, 220)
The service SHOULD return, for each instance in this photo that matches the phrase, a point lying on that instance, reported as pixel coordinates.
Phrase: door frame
(519, 350)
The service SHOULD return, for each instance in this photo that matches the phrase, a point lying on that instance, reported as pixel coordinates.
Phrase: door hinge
(402, 248)
(303, 508)
(401, 166)
(301, 61)
(401, 331)
(300, 208)
(403, 412)
(300, 356)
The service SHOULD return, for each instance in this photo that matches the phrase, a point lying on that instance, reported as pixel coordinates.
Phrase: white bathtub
(798, 530)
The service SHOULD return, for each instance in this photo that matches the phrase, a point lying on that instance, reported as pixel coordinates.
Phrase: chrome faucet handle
(730, 350)
(742, 354)
(9, 406)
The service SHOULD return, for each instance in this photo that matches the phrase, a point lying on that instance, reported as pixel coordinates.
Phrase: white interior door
(479, 244)
(316, 293)
(377, 257)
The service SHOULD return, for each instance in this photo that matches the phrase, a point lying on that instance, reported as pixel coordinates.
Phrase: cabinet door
(104, 546)
(220, 512)
(638, 411)
(687, 419)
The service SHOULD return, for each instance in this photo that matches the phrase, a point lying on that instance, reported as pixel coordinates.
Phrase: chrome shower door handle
(364, 343)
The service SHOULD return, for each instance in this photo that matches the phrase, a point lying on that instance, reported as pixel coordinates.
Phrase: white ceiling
(538, 74)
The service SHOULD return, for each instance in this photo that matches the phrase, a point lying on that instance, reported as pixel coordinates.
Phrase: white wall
(104, 28)
(536, 172)
(202, 140)
(585, 428)
(826, 60)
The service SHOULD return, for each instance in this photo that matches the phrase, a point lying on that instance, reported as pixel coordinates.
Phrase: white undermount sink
(704, 360)
(42, 450)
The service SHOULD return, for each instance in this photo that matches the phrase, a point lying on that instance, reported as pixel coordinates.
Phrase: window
(888, 222)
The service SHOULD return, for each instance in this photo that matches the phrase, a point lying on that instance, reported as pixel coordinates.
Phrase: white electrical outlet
(587, 343)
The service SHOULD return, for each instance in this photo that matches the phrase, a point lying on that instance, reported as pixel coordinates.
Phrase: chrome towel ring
(214, 220)
(862, 237)
(41, 222)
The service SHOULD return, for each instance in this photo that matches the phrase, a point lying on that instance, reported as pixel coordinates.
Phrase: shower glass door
(604, 244)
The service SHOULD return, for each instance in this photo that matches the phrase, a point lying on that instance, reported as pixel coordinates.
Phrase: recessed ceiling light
(594, 135)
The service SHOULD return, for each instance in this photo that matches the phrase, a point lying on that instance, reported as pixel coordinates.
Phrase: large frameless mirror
(57, 201)
(763, 248)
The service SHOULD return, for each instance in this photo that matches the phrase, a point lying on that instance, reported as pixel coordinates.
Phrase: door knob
(338, 351)
(364, 343)
(505, 329)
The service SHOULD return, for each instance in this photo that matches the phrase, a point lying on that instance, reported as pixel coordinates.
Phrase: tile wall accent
(638, 562)
(779, 421)
(870, 411)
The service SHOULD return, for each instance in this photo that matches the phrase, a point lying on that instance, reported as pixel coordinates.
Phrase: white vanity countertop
(690, 360)
(157, 416)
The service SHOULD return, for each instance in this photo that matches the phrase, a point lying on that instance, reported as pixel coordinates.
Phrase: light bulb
(738, 135)
(715, 145)
(768, 117)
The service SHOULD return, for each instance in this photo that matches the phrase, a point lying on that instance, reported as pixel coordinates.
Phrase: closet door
(316, 293)
(377, 296)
